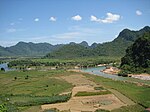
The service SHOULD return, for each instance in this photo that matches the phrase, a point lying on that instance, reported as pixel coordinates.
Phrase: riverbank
(140, 76)
(111, 70)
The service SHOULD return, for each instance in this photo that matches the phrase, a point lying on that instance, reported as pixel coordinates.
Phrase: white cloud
(77, 18)
(11, 30)
(52, 19)
(93, 18)
(36, 19)
(138, 13)
(109, 19)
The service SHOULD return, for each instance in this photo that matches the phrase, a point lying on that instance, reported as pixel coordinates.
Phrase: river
(97, 71)
(5, 66)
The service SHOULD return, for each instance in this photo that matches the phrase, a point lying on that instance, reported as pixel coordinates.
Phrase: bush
(102, 110)
(39, 100)
(98, 88)
(85, 93)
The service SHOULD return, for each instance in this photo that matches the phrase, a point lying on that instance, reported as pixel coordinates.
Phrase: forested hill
(137, 58)
(28, 49)
(115, 48)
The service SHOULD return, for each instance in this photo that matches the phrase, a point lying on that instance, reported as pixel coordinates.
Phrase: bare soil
(86, 103)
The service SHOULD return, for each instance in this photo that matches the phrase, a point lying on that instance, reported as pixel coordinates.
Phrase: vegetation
(138, 94)
(102, 110)
(99, 88)
(36, 84)
(137, 58)
(30, 100)
(131, 108)
(28, 49)
(115, 48)
(40, 88)
(62, 63)
(6, 106)
(85, 93)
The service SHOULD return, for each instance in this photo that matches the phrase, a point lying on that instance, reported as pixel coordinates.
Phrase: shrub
(85, 93)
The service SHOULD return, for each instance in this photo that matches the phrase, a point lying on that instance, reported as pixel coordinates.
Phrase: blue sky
(64, 21)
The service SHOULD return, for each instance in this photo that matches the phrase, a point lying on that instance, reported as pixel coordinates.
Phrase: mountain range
(116, 47)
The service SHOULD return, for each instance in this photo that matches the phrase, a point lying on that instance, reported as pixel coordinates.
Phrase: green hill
(4, 52)
(137, 58)
(115, 48)
(70, 51)
(28, 49)
(118, 46)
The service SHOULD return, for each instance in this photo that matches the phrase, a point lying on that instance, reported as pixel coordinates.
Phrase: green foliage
(51, 110)
(28, 49)
(102, 110)
(131, 108)
(6, 106)
(85, 93)
(2, 69)
(139, 94)
(39, 100)
(98, 88)
(114, 48)
(70, 51)
(73, 50)
(137, 58)
(63, 63)
(35, 84)
(3, 108)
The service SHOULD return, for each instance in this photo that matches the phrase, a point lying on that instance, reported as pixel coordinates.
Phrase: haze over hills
(115, 48)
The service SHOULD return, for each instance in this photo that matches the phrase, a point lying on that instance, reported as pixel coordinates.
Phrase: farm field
(32, 88)
(39, 91)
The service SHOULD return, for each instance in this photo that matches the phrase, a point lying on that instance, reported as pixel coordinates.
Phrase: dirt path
(87, 103)
(122, 97)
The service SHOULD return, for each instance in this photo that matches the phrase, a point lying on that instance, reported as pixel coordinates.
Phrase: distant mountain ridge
(28, 49)
(115, 48)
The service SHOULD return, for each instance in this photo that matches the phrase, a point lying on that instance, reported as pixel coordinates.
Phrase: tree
(137, 58)
(15, 78)
(2, 69)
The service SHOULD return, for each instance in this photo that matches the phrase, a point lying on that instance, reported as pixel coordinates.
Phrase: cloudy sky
(64, 21)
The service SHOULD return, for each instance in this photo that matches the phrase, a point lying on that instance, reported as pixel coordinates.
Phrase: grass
(132, 108)
(62, 63)
(85, 93)
(139, 94)
(98, 88)
(39, 88)
(102, 110)
(38, 83)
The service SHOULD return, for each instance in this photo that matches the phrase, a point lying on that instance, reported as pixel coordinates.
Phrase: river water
(5, 66)
(97, 71)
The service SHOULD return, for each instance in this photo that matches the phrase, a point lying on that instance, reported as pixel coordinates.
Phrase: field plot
(32, 88)
(38, 91)
(88, 102)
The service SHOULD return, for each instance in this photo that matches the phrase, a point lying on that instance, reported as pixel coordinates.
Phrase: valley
(76, 78)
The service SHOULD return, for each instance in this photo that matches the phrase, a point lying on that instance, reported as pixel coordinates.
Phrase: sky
(64, 21)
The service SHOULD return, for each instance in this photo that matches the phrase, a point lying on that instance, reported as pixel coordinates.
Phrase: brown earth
(86, 103)
(111, 70)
